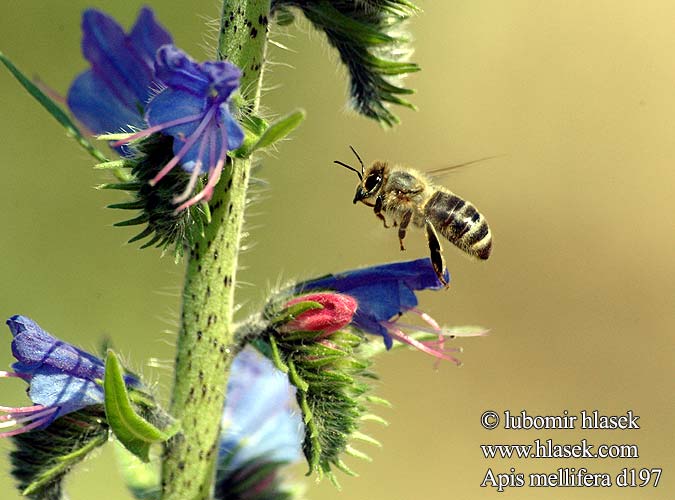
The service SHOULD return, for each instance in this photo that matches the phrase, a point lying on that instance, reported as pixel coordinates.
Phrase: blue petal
(171, 105)
(37, 351)
(179, 71)
(381, 291)
(224, 77)
(235, 134)
(260, 420)
(51, 387)
(114, 59)
(112, 94)
(100, 115)
(147, 36)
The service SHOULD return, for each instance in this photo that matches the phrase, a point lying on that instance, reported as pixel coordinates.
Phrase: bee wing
(438, 173)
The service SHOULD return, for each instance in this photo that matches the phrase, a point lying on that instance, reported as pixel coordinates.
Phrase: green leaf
(279, 129)
(259, 134)
(254, 127)
(53, 109)
(133, 431)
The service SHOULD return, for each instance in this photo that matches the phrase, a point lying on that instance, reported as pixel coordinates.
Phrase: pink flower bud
(337, 312)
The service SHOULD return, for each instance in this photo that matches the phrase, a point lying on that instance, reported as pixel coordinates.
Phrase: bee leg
(378, 211)
(403, 226)
(436, 253)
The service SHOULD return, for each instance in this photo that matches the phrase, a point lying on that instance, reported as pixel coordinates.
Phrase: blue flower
(194, 110)
(260, 421)
(261, 426)
(384, 293)
(112, 94)
(62, 378)
(141, 81)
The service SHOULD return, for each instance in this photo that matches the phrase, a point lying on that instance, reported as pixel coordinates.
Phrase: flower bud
(336, 312)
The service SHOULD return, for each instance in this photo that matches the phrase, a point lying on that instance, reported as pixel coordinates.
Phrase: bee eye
(372, 181)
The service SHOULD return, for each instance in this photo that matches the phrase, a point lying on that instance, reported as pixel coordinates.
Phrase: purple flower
(384, 293)
(194, 110)
(261, 423)
(62, 378)
(142, 81)
(112, 94)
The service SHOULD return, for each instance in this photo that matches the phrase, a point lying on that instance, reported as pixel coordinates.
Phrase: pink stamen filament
(157, 128)
(214, 175)
(399, 335)
(37, 419)
(23, 376)
(187, 146)
(27, 428)
(426, 318)
(196, 171)
(28, 418)
(21, 409)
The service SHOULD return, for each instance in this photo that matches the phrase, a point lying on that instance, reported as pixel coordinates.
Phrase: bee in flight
(408, 196)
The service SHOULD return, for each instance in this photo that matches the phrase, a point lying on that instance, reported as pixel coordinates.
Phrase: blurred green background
(577, 99)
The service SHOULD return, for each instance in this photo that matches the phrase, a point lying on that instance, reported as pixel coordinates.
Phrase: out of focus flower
(261, 429)
(62, 378)
(386, 292)
(112, 95)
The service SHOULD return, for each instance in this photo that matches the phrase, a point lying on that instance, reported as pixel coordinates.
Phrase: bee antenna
(350, 168)
(358, 157)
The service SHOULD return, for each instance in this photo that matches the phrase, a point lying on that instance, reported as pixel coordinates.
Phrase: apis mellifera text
(409, 197)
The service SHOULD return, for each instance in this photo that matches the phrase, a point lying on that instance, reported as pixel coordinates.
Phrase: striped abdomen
(460, 222)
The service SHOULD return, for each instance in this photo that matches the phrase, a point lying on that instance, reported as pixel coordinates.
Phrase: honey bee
(410, 197)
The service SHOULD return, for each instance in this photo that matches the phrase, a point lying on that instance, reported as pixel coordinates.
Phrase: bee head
(371, 181)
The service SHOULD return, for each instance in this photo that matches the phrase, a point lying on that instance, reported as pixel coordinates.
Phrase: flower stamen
(186, 147)
(157, 128)
(37, 419)
(427, 347)
(214, 175)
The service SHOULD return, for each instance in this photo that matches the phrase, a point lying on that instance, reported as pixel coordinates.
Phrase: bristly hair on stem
(372, 44)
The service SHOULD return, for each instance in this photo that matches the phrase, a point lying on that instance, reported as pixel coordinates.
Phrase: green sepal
(293, 311)
(112, 165)
(53, 109)
(276, 356)
(41, 458)
(132, 430)
(295, 378)
(122, 186)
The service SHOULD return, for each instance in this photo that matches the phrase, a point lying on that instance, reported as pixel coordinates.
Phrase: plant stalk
(205, 341)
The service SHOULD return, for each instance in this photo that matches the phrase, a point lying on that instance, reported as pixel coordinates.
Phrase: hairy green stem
(204, 350)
